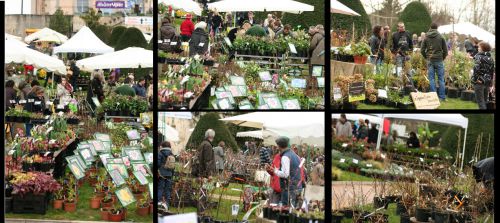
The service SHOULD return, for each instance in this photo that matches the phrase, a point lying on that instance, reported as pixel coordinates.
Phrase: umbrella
(51, 38)
(43, 33)
(260, 6)
(132, 57)
(17, 53)
(339, 8)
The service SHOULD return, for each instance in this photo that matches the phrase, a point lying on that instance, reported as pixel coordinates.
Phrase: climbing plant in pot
(360, 51)
(70, 200)
(143, 205)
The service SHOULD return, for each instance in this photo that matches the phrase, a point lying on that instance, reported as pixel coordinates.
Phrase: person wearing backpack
(483, 72)
(166, 160)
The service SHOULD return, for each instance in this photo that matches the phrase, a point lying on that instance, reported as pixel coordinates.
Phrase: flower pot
(400, 209)
(108, 204)
(95, 202)
(423, 214)
(58, 204)
(347, 213)
(105, 214)
(337, 217)
(452, 93)
(379, 202)
(393, 199)
(161, 59)
(360, 59)
(115, 199)
(151, 207)
(405, 219)
(115, 217)
(142, 211)
(467, 95)
(283, 218)
(70, 207)
(267, 212)
(441, 217)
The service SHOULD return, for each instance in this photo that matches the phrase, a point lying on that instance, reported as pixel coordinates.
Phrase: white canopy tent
(260, 6)
(468, 28)
(132, 57)
(252, 134)
(10, 36)
(300, 127)
(15, 52)
(339, 8)
(50, 38)
(185, 5)
(84, 41)
(356, 117)
(43, 33)
(171, 134)
(448, 119)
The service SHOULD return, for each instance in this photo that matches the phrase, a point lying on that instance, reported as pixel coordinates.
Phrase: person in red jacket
(275, 180)
(187, 28)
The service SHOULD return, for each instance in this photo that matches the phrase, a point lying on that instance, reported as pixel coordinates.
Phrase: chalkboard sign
(356, 91)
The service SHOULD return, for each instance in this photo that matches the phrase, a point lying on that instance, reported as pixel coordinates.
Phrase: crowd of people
(199, 34)
(360, 131)
(435, 49)
(284, 163)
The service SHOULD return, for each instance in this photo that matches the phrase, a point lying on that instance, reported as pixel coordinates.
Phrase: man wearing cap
(187, 28)
(289, 172)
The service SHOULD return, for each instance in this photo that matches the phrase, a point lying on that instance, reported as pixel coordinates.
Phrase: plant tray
(30, 204)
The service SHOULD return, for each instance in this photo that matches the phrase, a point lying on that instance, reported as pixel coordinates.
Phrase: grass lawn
(448, 104)
(350, 176)
(83, 211)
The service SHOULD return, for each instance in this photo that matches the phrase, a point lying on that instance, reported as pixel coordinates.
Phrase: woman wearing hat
(187, 28)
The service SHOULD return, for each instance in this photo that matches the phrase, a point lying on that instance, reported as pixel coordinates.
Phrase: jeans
(481, 94)
(165, 189)
(438, 67)
(289, 192)
(377, 61)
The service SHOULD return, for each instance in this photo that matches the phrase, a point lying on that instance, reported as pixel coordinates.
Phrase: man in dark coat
(169, 36)
(434, 49)
(165, 176)
(199, 40)
(484, 171)
(206, 155)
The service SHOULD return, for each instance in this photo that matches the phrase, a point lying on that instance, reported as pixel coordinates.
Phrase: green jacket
(125, 90)
(434, 47)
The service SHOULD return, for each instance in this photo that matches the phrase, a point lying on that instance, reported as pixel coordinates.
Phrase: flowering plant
(33, 182)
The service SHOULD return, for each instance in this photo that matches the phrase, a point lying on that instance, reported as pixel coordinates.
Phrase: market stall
(132, 57)
(84, 41)
(44, 33)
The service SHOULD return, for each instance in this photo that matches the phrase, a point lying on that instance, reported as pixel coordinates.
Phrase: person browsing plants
(166, 160)
(434, 49)
(482, 77)
(289, 173)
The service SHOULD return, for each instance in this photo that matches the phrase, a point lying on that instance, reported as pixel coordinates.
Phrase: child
(484, 68)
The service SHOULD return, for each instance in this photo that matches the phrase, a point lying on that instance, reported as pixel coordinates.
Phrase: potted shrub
(161, 56)
(58, 199)
(143, 205)
(30, 191)
(70, 200)
(360, 51)
(107, 201)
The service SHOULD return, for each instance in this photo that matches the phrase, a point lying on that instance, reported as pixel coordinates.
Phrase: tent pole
(463, 150)
(380, 132)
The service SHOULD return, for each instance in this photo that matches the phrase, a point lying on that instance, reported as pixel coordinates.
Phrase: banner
(110, 4)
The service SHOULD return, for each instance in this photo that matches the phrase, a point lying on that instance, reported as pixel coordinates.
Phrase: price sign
(342, 160)
(355, 161)
(38, 102)
(22, 102)
(234, 209)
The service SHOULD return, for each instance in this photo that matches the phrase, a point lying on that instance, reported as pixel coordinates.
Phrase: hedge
(362, 23)
(132, 37)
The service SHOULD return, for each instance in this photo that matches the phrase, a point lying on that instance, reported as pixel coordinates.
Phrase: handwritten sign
(425, 100)
(356, 91)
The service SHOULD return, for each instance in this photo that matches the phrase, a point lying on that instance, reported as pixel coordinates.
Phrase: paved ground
(346, 193)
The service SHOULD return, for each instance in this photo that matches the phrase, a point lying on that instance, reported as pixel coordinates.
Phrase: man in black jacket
(199, 40)
(401, 44)
(435, 50)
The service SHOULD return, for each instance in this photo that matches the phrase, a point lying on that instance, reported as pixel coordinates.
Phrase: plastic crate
(30, 204)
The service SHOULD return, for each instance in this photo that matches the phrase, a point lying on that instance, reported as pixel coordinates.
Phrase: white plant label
(344, 145)
(173, 43)
(201, 44)
(421, 159)
(234, 209)
(355, 161)
(382, 93)
(60, 106)
(382, 155)
(31, 100)
(369, 165)
(342, 160)
(38, 102)
(12, 101)
(22, 102)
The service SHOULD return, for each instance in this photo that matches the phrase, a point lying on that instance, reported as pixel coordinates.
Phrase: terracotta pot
(115, 217)
(115, 199)
(360, 59)
(99, 195)
(58, 204)
(137, 195)
(70, 207)
(105, 214)
(95, 202)
(108, 204)
(151, 207)
(142, 211)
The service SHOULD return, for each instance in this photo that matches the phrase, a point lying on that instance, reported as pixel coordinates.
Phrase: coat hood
(433, 33)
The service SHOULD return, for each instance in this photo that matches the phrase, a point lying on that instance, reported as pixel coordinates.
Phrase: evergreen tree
(60, 22)
(362, 25)
(211, 121)
(416, 17)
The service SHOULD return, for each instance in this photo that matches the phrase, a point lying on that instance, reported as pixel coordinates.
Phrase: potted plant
(58, 199)
(30, 191)
(360, 51)
(107, 200)
(161, 56)
(105, 213)
(70, 200)
(143, 205)
(115, 215)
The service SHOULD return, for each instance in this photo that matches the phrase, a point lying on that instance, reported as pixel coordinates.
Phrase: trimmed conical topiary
(116, 34)
(211, 121)
(132, 37)
(410, 13)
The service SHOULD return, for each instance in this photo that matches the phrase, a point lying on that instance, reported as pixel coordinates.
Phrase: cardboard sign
(425, 100)
(315, 193)
(356, 91)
